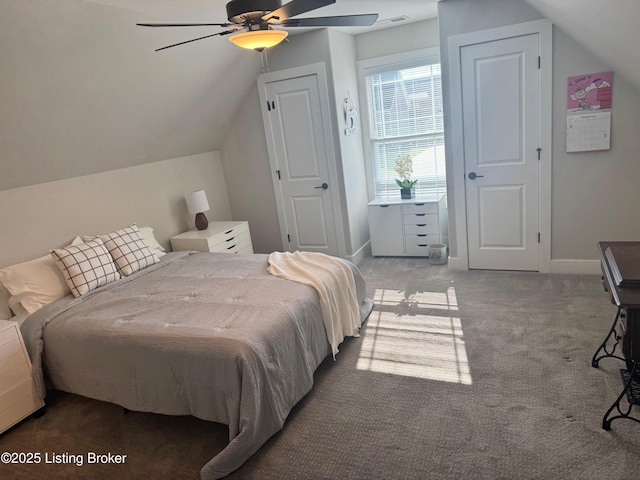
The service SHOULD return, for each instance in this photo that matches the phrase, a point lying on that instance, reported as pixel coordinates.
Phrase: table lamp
(197, 204)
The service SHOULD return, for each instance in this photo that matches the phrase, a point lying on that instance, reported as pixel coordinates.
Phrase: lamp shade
(197, 202)
(258, 39)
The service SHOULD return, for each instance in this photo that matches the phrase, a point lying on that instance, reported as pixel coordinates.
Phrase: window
(405, 117)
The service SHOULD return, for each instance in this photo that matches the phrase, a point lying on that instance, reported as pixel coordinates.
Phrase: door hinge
(278, 172)
(539, 62)
(538, 237)
(538, 150)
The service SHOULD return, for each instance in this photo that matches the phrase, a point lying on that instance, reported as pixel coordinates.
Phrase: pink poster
(589, 112)
(589, 92)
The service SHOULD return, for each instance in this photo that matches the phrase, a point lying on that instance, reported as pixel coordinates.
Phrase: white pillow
(150, 239)
(86, 266)
(129, 250)
(35, 283)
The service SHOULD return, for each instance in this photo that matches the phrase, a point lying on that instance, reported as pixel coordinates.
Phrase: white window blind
(405, 117)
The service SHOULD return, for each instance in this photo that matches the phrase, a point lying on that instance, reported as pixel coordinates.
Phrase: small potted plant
(404, 169)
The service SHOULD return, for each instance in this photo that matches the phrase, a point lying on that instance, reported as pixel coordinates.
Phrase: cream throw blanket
(336, 287)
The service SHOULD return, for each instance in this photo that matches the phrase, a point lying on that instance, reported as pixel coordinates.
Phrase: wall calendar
(589, 112)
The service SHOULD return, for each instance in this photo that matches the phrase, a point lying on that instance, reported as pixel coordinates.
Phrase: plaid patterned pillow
(129, 250)
(86, 266)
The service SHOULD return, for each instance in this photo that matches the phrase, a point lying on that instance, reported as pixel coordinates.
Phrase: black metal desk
(625, 329)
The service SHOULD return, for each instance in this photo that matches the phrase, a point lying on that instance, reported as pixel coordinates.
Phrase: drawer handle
(420, 214)
(226, 233)
(229, 239)
(423, 245)
(383, 206)
(422, 234)
(421, 225)
(419, 204)
(229, 248)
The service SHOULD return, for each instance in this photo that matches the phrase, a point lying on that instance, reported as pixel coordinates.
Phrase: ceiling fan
(251, 21)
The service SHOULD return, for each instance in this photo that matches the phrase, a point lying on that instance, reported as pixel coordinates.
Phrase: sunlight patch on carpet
(415, 344)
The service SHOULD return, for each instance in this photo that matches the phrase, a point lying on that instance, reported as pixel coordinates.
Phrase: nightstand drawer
(7, 335)
(9, 348)
(17, 403)
(13, 368)
(238, 243)
(18, 395)
(222, 241)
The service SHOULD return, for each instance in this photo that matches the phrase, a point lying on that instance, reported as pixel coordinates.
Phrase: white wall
(593, 193)
(403, 38)
(248, 176)
(351, 168)
(317, 46)
(39, 217)
(244, 148)
(83, 91)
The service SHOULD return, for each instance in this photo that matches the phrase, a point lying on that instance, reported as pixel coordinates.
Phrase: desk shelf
(631, 391)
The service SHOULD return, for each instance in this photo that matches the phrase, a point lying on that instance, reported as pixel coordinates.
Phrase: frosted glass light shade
(197, 202)
(258, 39)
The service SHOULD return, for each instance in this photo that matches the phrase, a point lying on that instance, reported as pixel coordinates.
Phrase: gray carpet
(457, 375)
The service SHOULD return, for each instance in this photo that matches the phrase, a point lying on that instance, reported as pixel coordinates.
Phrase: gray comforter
(203, 334)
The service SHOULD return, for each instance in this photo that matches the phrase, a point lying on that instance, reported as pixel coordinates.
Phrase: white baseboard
(457, 264)
(572, 267)
(360, 254)
(576, 267)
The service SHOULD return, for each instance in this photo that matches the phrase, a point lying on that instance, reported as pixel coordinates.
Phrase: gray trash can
(437, 254)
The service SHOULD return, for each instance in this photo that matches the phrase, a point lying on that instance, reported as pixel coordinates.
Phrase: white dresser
(402, 227)
(224, 237)
(18, 397)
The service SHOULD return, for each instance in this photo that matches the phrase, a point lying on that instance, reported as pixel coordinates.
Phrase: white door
(501, 119)
(295, 130)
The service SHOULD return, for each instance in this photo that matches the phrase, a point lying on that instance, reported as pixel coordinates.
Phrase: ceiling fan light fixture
(258, 39)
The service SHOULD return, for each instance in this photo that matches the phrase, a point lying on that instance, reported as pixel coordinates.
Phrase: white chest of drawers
(407, 227)
(18, 396)
(223, 237)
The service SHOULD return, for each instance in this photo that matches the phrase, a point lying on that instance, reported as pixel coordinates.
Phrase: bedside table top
(215, 228)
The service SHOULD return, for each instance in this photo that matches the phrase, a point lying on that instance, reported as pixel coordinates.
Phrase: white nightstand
(18, 396)
(225, 237)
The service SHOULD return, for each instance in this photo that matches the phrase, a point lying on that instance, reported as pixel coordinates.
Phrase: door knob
(324, 186)
(474, 175)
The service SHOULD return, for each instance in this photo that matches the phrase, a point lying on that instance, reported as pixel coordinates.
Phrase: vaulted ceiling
(82, 89)
(610, 29)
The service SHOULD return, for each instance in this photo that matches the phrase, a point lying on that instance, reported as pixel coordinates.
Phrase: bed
(210, 335)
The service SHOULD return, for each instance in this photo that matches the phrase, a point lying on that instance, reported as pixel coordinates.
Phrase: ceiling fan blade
(365, 20)
(185, 24)
(227, 32)
(295, 7)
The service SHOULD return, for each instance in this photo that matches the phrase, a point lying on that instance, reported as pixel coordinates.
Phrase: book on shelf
(624, 261)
